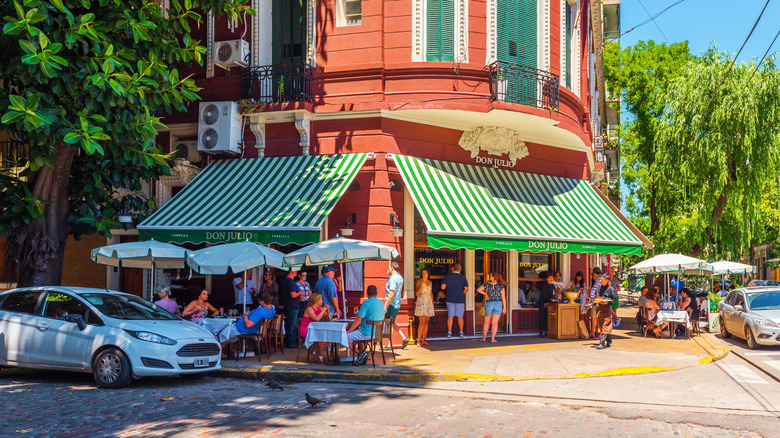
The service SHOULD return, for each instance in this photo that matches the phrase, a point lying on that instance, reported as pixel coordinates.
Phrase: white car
(752, 314)
(114, 335)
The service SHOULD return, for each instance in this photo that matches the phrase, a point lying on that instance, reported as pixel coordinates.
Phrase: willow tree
(84, 83)
(716, 150)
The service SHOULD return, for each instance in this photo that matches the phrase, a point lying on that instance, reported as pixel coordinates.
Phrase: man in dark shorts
(455, 287)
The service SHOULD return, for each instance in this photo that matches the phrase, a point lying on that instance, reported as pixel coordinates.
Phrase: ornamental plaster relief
(461, 31)
(494, 140)
(544, 6)
(491, 43)
(311, 32)
(418, 30)
(303, 125)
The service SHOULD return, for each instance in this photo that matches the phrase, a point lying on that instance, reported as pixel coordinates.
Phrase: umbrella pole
(151, 286)
(343, 296)
(243, 293)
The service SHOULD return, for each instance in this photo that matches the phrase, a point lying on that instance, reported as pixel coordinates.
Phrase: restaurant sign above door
(490, 243)
(282, 237)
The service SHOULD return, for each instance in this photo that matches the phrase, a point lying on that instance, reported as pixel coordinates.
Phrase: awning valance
(473, 207)
(266, 200)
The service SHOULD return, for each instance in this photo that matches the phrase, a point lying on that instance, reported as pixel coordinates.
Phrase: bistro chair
(387, 333)
(695, 328)
(301, 341)
(260, 340)
(641, 321)
(276, 334)
(370, 343)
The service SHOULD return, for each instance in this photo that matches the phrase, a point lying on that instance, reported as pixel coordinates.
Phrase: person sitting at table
(249, 324)
(690, 304)
(533, 293)
(314, 312)
(200, 308)
(165, 300)
(371, 310)
(651, 310)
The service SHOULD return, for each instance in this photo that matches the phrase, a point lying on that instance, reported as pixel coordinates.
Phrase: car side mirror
(77, 319)
(738, 308)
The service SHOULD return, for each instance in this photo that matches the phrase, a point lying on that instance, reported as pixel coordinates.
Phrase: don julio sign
(548, 246)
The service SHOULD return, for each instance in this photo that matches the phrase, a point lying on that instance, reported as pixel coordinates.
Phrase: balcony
(14, 153)
(515, 83)
(611, 20)
(277, 83)
(598, 149)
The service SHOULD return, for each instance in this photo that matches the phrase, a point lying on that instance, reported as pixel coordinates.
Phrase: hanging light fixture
(397, 230)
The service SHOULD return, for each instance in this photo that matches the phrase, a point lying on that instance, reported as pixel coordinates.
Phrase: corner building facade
(467, 124)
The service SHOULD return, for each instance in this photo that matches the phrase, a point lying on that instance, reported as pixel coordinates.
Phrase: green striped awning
(475, 207)
(266, 200)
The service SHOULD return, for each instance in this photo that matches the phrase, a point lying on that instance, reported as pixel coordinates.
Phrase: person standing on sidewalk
(604, 316)
(243, 292)
(455, 287)
(326, 287)
(495, 304)
(292, 297)
(394, 289)
(423, 307)
(592, 309)
(547, 291)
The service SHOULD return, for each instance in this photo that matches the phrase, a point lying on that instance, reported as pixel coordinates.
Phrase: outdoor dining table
(332, 332)
(215, 325)
(673, 317)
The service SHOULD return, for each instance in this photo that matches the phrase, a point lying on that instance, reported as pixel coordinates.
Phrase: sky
(703, 21)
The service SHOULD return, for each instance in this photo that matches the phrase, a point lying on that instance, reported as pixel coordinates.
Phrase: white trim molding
(491, 34)
(461, 31)
(576, 53)
(562, 48)
(418, 30)
(210, 45)
(255, 35)
(311, 32)
(257, 126)
(543, 33)
(303, 125)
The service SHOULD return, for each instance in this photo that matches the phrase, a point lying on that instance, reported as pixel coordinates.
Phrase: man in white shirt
(243, 292)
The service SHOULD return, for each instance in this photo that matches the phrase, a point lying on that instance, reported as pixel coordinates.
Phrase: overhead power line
(656, 24)
(652, 18)
(765, 53)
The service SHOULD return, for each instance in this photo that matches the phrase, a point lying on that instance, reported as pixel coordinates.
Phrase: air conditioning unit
(186, 150)
(233, 53)
(219, 128)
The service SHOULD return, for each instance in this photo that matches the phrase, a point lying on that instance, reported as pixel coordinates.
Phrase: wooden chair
(641, 322)
(694, 329)
(276, 333)
(301, 341)
(370, 343)
(387, 333)
(260, 340)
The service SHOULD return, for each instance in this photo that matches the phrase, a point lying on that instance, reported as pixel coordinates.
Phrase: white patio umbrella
(148, 254)
(339, 250)
(238, 257)
(672, 264)
(724, 267)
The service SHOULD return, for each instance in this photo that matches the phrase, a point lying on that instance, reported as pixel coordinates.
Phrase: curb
(301, 376)
(714, 358)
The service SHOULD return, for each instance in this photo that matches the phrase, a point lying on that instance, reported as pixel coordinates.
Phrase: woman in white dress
(423, 309)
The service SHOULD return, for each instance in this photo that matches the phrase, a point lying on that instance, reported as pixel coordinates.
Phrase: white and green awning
(266, 200)
(475, 207)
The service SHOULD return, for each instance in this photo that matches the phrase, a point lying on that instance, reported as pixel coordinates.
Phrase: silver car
(113, 335)
(752, 314)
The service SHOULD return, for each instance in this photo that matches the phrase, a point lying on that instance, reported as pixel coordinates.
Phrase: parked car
(752, 314)
(113, 335)
(756, 283)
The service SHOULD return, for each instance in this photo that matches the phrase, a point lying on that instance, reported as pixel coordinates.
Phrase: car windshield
(764, 300)
(127, 307)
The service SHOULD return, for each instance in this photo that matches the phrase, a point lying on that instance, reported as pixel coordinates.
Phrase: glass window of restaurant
(530, 270)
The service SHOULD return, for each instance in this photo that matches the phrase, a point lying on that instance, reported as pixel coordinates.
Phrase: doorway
(485, 263)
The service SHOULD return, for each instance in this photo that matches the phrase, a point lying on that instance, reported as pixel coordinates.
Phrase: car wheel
(723, 332)
(195, 376)
(751, 341)
(111, 369)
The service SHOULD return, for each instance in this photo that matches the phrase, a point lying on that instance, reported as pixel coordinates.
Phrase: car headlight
(151, 337)
(765, 323)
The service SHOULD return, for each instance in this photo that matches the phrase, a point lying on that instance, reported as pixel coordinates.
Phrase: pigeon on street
(273, 385)
(313, 401)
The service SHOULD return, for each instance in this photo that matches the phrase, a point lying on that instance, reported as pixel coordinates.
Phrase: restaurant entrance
(485, 263)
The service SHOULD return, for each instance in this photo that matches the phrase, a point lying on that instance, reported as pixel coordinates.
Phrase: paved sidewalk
(512, 358)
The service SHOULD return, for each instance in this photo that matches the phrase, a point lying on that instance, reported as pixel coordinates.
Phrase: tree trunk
(39, 247)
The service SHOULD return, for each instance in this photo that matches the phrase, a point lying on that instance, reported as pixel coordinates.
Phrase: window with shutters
(288, 31)
(440, 30)
(349, 12)
(567, 45)
(517, 32)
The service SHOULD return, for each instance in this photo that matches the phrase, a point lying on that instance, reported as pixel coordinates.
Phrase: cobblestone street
(41, 404)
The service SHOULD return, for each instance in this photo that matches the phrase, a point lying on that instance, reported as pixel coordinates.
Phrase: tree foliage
(717, 152)
(85, 83)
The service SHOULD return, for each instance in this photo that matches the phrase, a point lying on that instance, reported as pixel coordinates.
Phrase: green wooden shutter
(527, 32)
(276, 31)
(440, 28)
(568, 44)
(288, 31)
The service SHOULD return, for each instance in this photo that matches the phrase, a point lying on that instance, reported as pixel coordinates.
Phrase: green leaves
(26, 111)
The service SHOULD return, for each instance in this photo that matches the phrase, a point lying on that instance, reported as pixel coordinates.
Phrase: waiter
(604, 314)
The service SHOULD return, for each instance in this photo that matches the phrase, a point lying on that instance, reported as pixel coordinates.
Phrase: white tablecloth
(215, 325)
(679, 316)
(321, 331)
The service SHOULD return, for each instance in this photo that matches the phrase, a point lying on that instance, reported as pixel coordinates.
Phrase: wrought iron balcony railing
(14, 153)
(525, 85)
(598, 149)
(277, 83)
